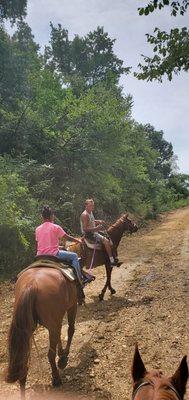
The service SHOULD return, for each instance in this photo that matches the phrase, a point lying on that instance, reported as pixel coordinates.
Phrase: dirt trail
(151, 307)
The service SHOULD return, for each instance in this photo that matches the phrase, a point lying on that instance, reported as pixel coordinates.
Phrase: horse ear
(180, 377)
(138, 368)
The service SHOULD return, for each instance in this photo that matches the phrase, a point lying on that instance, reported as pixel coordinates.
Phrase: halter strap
(139, 387)
(150, 383)
(175, 391)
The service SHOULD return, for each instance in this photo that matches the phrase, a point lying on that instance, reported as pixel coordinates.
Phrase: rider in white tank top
(91, 220)
(91, 227)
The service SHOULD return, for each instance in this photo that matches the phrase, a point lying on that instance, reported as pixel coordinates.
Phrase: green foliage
(165, 153)
(19, 58)
(171, 49)
(66, 134)
(93, 130)
(137, 170)
(176, 7)
(179, 183)
(83, 61)
(18, 217)
(180, 203)
(12, 9)
(172, 55)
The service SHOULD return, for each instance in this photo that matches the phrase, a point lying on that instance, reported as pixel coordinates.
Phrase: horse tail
(19, 340)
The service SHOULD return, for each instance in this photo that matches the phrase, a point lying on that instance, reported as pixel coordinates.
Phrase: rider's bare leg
(108, 248)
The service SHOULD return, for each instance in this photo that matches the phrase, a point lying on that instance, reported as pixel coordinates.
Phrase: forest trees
(83, 61)
(66, 133)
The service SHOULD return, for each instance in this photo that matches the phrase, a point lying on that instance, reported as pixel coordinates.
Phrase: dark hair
(47, 212)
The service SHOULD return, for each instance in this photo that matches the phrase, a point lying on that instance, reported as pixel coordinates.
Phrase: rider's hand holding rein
(72, 238)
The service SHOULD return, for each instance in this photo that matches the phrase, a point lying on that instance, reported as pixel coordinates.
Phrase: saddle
(52, 262)
(65, 269)
(91, 242)
(92, 245)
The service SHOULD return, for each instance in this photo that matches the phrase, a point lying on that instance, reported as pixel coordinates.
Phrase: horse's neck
(116, 233)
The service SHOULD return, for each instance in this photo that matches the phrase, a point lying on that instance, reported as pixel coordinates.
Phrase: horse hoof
(113, 291)
(119, 264)
(56, 382)
(62, 362)
(101, 297)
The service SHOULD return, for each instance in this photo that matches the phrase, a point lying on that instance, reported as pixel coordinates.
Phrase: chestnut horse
(93, 259)
(154, 385)
(42, 295)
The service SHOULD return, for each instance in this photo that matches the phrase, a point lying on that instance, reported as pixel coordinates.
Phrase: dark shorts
(95, 237)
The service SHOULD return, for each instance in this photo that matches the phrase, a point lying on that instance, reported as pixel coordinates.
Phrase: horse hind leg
(53, 341)
(63, 354)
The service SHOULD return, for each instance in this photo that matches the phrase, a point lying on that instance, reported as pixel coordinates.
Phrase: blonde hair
(89, 201)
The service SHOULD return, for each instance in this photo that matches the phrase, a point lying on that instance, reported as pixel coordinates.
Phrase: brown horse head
(153, 385)
(128, 225)
(122, 225)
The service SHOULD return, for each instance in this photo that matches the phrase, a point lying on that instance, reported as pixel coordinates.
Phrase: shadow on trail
(76, 381)
(105, 310)
(81, 373)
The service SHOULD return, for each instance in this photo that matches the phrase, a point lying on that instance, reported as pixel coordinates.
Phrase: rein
(151, 384)
(91, 266)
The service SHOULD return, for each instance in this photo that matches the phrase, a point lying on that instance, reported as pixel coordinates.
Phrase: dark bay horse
(154, 385)
(42, 295)
(115, 232)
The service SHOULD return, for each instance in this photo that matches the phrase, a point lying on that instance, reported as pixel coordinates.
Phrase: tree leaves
(173, 54)
(89, 59)
(172, 48)
(176, 7)
(13, 9)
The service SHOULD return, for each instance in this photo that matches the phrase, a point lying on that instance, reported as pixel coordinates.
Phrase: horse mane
(119, 222)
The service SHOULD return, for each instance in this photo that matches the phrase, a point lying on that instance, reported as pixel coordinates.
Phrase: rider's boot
(80, 294)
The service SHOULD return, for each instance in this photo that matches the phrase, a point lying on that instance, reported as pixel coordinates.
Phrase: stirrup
(88, 278)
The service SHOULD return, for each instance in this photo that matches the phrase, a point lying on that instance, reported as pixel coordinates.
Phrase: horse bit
(150, 383)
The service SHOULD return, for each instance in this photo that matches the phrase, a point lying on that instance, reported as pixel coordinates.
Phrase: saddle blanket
(64, 269)
(92, 245)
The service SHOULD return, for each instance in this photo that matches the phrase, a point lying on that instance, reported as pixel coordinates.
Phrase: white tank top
(91, 220)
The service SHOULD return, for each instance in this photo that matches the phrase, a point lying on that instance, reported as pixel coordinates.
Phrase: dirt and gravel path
(150, 307)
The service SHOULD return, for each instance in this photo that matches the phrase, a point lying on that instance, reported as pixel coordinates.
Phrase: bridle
(151, 383)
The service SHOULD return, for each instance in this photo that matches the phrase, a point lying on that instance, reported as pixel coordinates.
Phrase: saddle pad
(64, 269)
(92, 245)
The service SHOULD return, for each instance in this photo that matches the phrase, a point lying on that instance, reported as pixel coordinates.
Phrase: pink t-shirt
(47, 236)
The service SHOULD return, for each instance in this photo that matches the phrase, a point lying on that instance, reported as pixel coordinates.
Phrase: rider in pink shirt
(47, 237)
